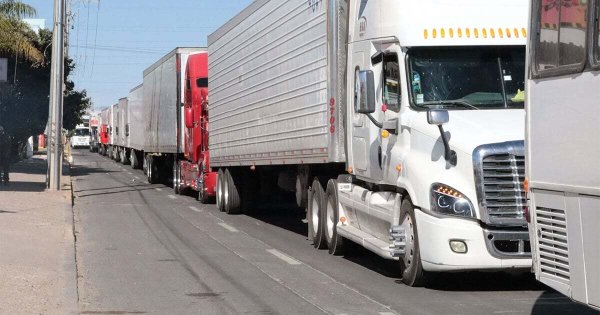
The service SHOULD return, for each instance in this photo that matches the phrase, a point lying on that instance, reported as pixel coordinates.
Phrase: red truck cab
(195, 171)
(104, 136)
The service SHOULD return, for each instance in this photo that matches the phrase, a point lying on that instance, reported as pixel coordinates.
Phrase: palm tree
(15, 36)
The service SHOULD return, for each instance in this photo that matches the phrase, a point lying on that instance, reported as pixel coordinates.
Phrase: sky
(113, 41)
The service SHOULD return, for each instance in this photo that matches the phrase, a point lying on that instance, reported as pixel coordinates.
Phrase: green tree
(16, 36)
(24, 105)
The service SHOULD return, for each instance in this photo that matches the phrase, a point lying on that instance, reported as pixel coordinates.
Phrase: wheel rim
(219, 192)
(225, 194)
(410, 242)
(175, 176)
(315, 215)
(330, 220)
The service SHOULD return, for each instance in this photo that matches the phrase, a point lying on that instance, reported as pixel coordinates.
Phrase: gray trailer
(114, 131)
(277, 98)
(163, 97)
(135, 126)
(122, 131)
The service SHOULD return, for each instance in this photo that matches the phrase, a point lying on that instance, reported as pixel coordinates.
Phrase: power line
(122, 49)
(87, 32)
(95, 38)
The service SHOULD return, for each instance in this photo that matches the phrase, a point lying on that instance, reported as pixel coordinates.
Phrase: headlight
(449, 201)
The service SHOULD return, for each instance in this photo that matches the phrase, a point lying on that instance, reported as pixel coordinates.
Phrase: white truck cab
(435, 129)
(80, 137)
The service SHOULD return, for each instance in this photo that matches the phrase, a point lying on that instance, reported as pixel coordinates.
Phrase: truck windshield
(81, 132)
(467, 77)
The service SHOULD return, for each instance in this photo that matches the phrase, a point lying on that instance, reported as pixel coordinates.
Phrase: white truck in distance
(398, 124)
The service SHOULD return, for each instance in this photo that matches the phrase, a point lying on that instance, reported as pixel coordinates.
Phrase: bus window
(562, 34)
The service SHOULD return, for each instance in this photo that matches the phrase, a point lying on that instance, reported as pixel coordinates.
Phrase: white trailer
(114, 131)
(563, 124)
(135, 126)
(383, 116)
(163, 97)
(123, 131)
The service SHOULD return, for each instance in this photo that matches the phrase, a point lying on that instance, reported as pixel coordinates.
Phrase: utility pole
(56, 97)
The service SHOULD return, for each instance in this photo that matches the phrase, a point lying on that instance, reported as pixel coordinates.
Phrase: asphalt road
(142, 249)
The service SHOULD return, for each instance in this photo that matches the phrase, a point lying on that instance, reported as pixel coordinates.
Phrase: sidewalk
(37, 257)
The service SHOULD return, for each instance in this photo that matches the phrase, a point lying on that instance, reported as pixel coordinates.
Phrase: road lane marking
(386, 313)
(172, 197)
(228, 227)
(195, 209)
(283, 257)
(158, 189)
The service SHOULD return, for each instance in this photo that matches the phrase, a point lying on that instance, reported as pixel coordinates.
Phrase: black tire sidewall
(317, 237)
(336, 242)
(415, 275)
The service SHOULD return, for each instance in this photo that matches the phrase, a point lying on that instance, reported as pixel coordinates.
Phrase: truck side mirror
(189, 117)
(438, 117)
(364, 94)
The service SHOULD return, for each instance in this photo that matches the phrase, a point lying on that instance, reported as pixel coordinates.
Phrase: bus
(563, 146)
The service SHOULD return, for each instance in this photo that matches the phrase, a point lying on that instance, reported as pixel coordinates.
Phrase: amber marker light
(350, 170)
(385, 134)
(343, 220)
(399, 168)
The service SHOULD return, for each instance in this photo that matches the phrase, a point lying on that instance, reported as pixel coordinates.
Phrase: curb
(70, 261)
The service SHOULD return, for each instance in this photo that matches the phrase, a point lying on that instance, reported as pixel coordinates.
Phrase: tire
(152, 170)
(219, 197)
(203, 197)
(176, 178)
(316, 202)
(133, 158)
(411, 266)
(335, 242)
(123, 156)
(231, 194)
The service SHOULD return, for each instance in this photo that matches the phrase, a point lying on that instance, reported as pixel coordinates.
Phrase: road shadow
(553, 303)
(18, 186)
(116, 187)
(281, 213)
(118, 191)
(79, 170)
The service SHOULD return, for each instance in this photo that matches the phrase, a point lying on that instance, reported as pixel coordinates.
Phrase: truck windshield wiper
(451, 102)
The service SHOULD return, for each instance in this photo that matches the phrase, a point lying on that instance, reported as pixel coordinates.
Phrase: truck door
(366, 142)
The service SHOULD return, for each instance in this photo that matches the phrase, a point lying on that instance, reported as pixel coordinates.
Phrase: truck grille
(499, 175)
(553, 249)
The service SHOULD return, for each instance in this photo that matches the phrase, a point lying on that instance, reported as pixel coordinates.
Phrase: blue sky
(130, 35)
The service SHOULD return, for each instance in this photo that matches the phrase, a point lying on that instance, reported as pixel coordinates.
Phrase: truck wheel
(335, 242)
(219, 196)
(231, 194)
(203, 197)
(316, 202)
(151, 170)
(176, 178)
(411, 265)
(133, 158)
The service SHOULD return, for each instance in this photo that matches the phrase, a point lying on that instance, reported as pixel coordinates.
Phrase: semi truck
(105, 131)
(397, 125)
(163, 98)
(563, 123)
(122, 131)
(114, 132)
(94, 136)
(135, 127)
(193, 169)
